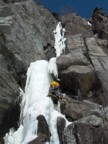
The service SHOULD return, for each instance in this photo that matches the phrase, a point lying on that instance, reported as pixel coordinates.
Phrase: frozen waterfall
(35, 100)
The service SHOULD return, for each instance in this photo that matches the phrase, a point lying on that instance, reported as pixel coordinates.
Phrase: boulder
(43, 127)
(78, 78)
(81, 133)
(42, 131)
(65, 61)
(76, 109)
(60, 127)
(68, 135)
(91, 120)
(89, 125)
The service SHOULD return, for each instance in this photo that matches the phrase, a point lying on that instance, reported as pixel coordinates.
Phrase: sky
(83, 8)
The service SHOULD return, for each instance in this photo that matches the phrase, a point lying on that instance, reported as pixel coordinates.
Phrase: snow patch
(89, 23)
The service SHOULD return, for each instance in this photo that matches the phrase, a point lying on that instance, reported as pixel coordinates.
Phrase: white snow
(14, 137)
(35, 101)
(89, 23)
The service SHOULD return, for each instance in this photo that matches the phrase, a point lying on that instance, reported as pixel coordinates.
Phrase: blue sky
(81, 7)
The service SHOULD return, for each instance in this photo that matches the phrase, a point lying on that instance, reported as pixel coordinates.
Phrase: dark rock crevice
(10, 119)
(10, 60)
(49, 51)
(75, 133)
(86, 53)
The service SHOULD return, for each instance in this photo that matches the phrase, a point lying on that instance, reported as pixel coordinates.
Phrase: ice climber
(54, 91)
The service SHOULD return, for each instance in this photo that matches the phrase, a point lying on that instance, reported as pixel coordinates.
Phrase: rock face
(26, 31)
(76, 71)
(78, 78)
(84, 134)
(99, 60)
(83, 73)
(26, 35)
(76, 109)
(100, 23)
(89, 122)
(74, 24)
(42, 131)
(61, 123)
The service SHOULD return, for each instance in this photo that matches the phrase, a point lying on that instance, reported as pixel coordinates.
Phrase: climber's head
(54, 84)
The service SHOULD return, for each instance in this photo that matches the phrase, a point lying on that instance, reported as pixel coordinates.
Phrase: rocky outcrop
(100, 23)
(83, 74)
(43, 127)
(82, 133)
(74, 24)
(61, 123)
(75, 56)
(76, 71)
(42, 131)
(78, 78)
(89, 122)
(77, 109)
